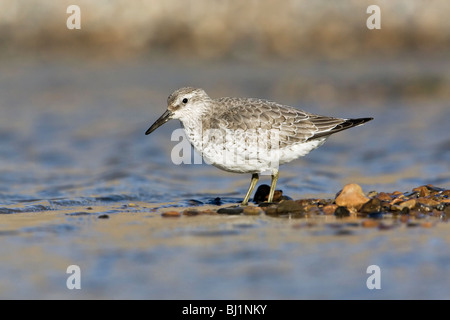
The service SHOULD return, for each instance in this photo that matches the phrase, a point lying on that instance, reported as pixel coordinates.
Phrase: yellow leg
(255, 178)
(273, 185)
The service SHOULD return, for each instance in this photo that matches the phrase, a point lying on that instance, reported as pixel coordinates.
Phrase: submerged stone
(342, 212)
(371, 206)
(231, 210)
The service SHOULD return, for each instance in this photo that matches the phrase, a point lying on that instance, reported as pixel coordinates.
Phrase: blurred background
(75, 104)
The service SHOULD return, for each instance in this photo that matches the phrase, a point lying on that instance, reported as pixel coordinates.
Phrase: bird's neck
(193, 123)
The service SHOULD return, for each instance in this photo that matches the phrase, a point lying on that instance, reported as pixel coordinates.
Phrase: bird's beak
(166, 116)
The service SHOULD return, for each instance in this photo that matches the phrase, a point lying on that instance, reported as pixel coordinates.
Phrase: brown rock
(329, 209)
(447, 211)
(383, 196)
(208, 212)
(407, 204)
(423, 191)
(312, 210)
(262, 194)
(371, 206)
(428, 202)
(277, 196)
(351, 197)
(271, 210)
(289, 206)
(252, 211)
(171, 214)
(395, 201)
(342, 212)
(190, 212)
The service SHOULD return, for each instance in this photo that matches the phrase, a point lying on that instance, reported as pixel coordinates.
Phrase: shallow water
(72, 148)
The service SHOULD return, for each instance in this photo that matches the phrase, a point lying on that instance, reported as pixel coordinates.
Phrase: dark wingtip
(349, 123)
(358, 122)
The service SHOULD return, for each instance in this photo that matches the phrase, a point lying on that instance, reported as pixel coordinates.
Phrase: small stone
(131, 205)
(395, 201)
(329, 209)
(289, 206)
(103, 216)
(171, 214)
(407, 204)
(342, 212)
(447, 211)
(423, 191)
(383, 196)
(271, 210)
(371, 206)
(405, 211)
(370, 223)
(190, 212)
(312, 211)
(351, 196)
(277, 196)
(231, 210)
(372, 194)
(207, 212)
(262, 194)
(428, 202)
(253, 211)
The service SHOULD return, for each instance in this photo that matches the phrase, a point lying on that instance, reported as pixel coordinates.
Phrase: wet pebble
(262, 194)
(231, 210)
(351, 197)
(270, 210)
(447, 210)
(171, 214)
(383, 196)
(79, 213)
(407, 204)
(341, 212)
(371, 206)
(329, 209)
(253, 211)
(428, 202)
(422, 191)
(103, 216)
(289, 206)
(190, 212)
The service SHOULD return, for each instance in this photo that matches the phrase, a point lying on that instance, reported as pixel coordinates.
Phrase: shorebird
(248, 135)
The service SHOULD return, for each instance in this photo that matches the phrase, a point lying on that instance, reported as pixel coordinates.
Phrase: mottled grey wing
(292, 125)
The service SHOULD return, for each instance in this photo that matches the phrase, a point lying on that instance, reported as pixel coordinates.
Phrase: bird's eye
(185, 100)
